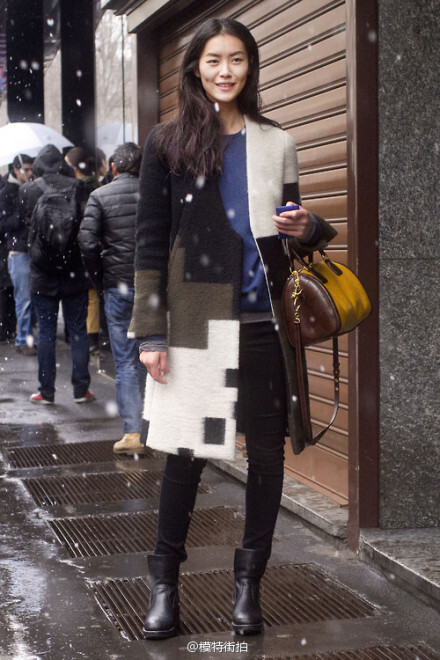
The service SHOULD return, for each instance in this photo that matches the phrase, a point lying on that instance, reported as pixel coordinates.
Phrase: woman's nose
(224, 69)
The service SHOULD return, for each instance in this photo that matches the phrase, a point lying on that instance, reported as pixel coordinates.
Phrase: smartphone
(281, 209)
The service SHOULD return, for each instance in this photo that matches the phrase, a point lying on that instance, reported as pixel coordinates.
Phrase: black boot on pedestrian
(163, 616)
(249, 567)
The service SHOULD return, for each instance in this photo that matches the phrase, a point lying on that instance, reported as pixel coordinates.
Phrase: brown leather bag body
(321, 301)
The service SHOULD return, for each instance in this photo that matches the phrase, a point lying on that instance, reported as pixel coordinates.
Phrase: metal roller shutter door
(303, 86)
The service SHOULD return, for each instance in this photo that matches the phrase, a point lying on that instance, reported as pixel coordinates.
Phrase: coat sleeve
(90, 240)
(292, 192)
(153, 228)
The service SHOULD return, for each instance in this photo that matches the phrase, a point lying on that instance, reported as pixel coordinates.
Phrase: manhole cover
(289, 594)
(69, 454)
(106, 487)
(93, 536)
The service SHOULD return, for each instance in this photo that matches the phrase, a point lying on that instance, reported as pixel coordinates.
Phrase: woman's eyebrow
(237, 52)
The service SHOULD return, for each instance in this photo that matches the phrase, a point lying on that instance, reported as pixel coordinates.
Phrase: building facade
(355, 82)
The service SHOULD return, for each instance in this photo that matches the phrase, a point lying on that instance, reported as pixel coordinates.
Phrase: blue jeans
(19, 267)
(75, 318)
(130, 372)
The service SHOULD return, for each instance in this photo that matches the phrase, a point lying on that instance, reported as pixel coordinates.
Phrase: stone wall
(409, 262)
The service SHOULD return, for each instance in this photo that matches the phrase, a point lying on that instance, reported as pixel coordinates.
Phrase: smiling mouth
(225, 85)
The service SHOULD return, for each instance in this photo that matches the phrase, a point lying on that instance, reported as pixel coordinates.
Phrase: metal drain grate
(94, 536)
(107, 487)
(289, 594)
(70, 454)
(420, 652)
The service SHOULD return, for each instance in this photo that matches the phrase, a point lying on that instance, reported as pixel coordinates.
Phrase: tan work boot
(130, 444)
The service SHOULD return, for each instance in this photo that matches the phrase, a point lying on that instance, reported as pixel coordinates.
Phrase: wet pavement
(77, 523)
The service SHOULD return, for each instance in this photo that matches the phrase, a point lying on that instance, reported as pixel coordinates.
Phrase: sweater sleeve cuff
(154, 343)
(314, 233)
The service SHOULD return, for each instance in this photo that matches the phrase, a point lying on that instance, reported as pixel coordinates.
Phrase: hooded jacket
(50, 165)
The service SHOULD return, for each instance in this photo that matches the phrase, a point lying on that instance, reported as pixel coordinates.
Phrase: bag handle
(309, 266)
(43, 186)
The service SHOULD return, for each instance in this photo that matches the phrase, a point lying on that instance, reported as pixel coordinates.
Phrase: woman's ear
(196, 72)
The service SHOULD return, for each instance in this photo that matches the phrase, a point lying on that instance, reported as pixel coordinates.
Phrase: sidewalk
(76, 525)
(410, 557)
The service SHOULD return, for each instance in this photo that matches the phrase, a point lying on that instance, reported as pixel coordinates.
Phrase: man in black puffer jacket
(107, 241)
(49, 286)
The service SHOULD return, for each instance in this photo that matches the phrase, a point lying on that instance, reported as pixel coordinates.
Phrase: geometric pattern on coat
(207, 420)
(193, 301)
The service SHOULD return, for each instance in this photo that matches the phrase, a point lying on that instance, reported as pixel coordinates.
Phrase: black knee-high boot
(163, 616)
(249, 567)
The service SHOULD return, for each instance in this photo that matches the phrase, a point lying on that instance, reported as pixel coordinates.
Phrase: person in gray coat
(107, 242)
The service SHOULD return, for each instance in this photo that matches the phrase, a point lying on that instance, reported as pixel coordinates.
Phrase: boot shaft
(250, 563)
(164, 569)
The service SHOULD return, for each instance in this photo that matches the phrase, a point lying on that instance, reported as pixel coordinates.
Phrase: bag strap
(301, 370)
(41, 183)
(301, 374)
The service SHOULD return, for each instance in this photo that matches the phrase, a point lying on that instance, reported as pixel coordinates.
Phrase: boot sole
(248, 629)
(129, 452)
(158, 634)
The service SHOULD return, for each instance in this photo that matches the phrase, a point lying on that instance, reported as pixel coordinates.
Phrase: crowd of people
(67, 239)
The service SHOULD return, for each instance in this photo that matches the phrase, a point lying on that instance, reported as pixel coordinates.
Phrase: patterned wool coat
(188, 272)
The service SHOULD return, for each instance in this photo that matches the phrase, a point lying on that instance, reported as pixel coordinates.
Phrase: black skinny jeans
(262, 400)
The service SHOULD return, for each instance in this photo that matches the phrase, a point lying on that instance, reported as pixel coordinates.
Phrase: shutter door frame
(363, 212)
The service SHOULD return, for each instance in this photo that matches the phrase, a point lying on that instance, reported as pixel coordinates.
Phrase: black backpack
(54, 227)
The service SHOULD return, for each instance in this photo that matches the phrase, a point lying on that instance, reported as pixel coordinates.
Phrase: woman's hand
(294, 223)
(156, 364)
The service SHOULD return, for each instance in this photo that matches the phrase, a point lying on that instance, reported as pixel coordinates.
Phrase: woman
(209, 274)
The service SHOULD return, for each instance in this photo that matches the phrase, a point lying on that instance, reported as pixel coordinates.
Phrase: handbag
(320, 301)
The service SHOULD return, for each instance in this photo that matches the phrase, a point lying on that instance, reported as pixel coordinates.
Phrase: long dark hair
(192, 141)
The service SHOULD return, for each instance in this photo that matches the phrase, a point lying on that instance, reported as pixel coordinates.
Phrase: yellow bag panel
(348, 294)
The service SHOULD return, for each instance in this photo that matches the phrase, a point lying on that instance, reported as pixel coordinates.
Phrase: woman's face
(223, 69)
